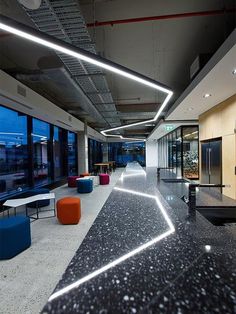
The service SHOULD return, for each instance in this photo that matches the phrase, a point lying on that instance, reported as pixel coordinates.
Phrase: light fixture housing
(234, 71)
(43, 39)
(206, 95)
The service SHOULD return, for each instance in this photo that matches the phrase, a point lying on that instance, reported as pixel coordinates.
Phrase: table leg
(3, 213)
(37, 209)
(54, 207)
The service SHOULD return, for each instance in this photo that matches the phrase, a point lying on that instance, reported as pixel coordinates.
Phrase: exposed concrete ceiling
(160, 49)
(166, 127)
(216, 79)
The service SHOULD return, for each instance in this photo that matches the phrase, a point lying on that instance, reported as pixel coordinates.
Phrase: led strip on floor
(40, 38)
(124, 257)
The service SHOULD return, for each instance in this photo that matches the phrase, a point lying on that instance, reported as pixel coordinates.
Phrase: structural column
(104, 152)
(82, 147)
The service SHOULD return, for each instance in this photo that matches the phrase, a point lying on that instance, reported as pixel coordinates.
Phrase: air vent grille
(21, 90)
(64, 123)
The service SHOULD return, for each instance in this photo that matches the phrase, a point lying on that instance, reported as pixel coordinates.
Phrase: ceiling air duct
(31, 4)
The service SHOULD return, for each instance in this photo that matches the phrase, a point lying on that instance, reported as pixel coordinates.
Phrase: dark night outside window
(41, 137)
(72, 155)
(57, 152)
(125, 152)
(13, 151)
(95, 154)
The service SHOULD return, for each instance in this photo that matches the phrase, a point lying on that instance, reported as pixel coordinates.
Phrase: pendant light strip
(40, 38)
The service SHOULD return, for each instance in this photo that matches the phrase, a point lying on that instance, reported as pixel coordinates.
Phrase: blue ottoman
(84, 185)
(36, 192)
(14, 236)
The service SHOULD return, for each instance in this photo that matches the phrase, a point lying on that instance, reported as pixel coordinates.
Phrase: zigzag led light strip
(171, 229)
(43, 39)
(169, 95)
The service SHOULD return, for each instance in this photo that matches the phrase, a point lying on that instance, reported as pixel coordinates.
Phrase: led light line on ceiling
(104, 132)
(26, 32)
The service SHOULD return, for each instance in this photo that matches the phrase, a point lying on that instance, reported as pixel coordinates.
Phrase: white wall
(151, 153)
(34, 104)
(95, 135)
(39, 107)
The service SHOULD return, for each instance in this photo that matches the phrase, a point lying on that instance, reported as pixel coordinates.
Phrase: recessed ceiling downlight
(207, 95)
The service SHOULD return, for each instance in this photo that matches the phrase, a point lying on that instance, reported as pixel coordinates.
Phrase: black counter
(144, 254)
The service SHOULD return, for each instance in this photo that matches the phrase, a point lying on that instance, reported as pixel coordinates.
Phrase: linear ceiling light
(40, 38)
(169, 95)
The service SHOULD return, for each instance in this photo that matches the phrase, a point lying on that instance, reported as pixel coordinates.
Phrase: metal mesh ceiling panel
(63, 20)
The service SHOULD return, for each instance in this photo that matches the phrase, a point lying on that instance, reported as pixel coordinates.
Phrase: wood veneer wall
(220, 121)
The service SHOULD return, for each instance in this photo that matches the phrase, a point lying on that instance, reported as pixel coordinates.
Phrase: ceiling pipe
(162, 17)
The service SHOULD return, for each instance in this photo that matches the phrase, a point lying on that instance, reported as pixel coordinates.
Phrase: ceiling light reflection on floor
(126, 256)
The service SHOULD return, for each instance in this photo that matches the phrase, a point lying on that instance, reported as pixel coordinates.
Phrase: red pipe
(4, 35)
(161, 17)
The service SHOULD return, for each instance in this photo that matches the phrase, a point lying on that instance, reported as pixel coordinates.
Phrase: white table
(14, 203)
(94, 178)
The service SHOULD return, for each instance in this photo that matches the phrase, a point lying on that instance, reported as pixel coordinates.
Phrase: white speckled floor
(27, 280)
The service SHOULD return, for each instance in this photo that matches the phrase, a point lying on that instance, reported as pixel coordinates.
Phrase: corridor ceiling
(131, 33)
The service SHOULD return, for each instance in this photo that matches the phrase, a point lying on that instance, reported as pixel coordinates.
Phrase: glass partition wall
(33, 152)
(124, 152)
(179, 150)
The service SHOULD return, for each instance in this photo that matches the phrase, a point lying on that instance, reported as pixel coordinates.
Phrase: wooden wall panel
(220, 121)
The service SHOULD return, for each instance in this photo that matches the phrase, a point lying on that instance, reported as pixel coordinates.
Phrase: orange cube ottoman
(69, 210)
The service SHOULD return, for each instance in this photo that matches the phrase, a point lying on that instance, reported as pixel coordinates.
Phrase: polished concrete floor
(27, 280)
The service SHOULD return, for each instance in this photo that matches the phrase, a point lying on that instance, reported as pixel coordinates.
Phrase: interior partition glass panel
(190, 152)
(41, 141)
(72, 153)
(13, 152)
(170, 155)
(173, 150)
(178, 153)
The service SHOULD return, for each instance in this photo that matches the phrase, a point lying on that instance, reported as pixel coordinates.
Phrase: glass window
(124, 152)
(95, 154)
(13, 151)
(41, 157)
(57, 152)
(190, 152)
(72, 153)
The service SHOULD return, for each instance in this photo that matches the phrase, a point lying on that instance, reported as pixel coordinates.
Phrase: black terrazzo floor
(143, 254)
